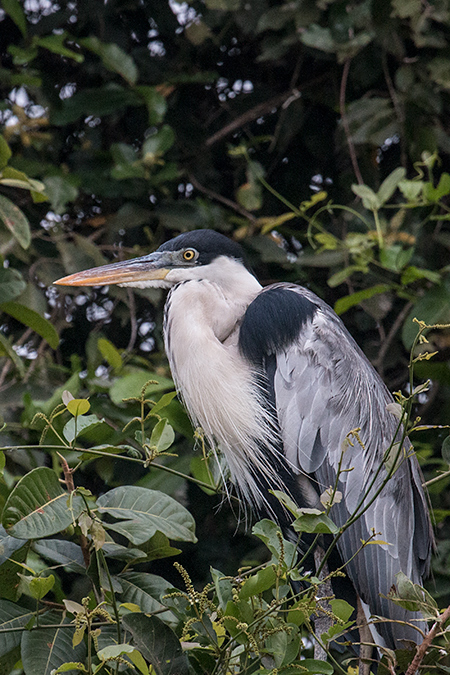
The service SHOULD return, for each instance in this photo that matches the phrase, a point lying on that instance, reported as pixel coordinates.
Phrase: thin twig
(398, 107)
(348, 136)
(223, 200)
(378, 362)
(422, 649)
(68, 479)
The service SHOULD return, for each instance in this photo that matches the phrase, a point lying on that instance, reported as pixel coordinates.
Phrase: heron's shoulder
(274, 319)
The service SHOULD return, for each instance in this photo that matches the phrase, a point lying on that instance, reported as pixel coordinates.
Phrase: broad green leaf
(344, 304)
(249, 195)
(14, 178)
(269, 532)
(55, 43)
(390, 184)
(257, 583)
(16, 222)
(110, 353)
(201, 469)
(78, 406)
(14, 9)
(33, 320)
(132, 380)
(163, 402)
(61, 552)
(413, 273)
(154, 549)
(37, 587)
(318, 37)
(395, 257)
(434, 194)
(432, 307)
(157, 145)
(162, 436)
(339, 277)
(314, 523)
(5, 152)
(146, 591)
(445, 450)
(370, 200)
(145, 512)
(157, 643)
(113, 57)
(101, 101)
(341, 608)
(47, 649)
(315, 666)
(38, 506)
(155, 102)
(8, 545)
(11, 616)
(77, 426)
(60, 191)
(411, 189)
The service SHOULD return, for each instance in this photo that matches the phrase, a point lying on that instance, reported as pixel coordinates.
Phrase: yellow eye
(189, 254)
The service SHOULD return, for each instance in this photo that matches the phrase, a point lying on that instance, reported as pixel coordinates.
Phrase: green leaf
(132, 380)
(314, 523)
(344, 304)
(339, 277)
(249, 195)
(37, 587)
(113, 57)
(77, 426)
(61, 552)
(390, 184)
(395, 257)
(445, 450)
(145, 512)
(60, 191)
(55, 43)
(434, 194)
(11, 616)
(411, 189)
(16, 221)
(319, 667)
(5, 152)
(110, 353)
(269, 533)
(78, 406)
(157, 643)
(258, 583)
(201, 469)
(157, 145)
(47, 649)
(432, 307)
(412, 274)
(155, 102)
(370, 200)
(38, 506)
(341, 609)
(162, 436)
(101, 101)
(33, 320)
(14, 9)
(319, 38)
(146, 591)
(163, 402)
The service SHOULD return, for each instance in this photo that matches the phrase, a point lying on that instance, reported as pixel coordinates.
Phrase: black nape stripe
(272, 322)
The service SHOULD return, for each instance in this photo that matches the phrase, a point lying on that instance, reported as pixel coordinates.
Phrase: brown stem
(348, 136)
(421, 649)
(68, 479)
(378, 362)
(134, 327)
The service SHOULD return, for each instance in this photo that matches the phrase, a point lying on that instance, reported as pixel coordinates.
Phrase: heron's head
(201, 254)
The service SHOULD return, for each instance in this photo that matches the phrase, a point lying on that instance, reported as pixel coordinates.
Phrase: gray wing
(324, 389)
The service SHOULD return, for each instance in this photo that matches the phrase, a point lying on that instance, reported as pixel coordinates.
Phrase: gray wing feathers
(325, 388)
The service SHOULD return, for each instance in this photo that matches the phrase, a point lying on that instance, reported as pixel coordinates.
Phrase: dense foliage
(314, 132)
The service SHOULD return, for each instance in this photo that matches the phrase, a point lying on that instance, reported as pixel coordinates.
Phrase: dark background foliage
(140, 120)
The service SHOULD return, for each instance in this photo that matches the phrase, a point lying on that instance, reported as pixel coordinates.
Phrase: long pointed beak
(147, 268)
